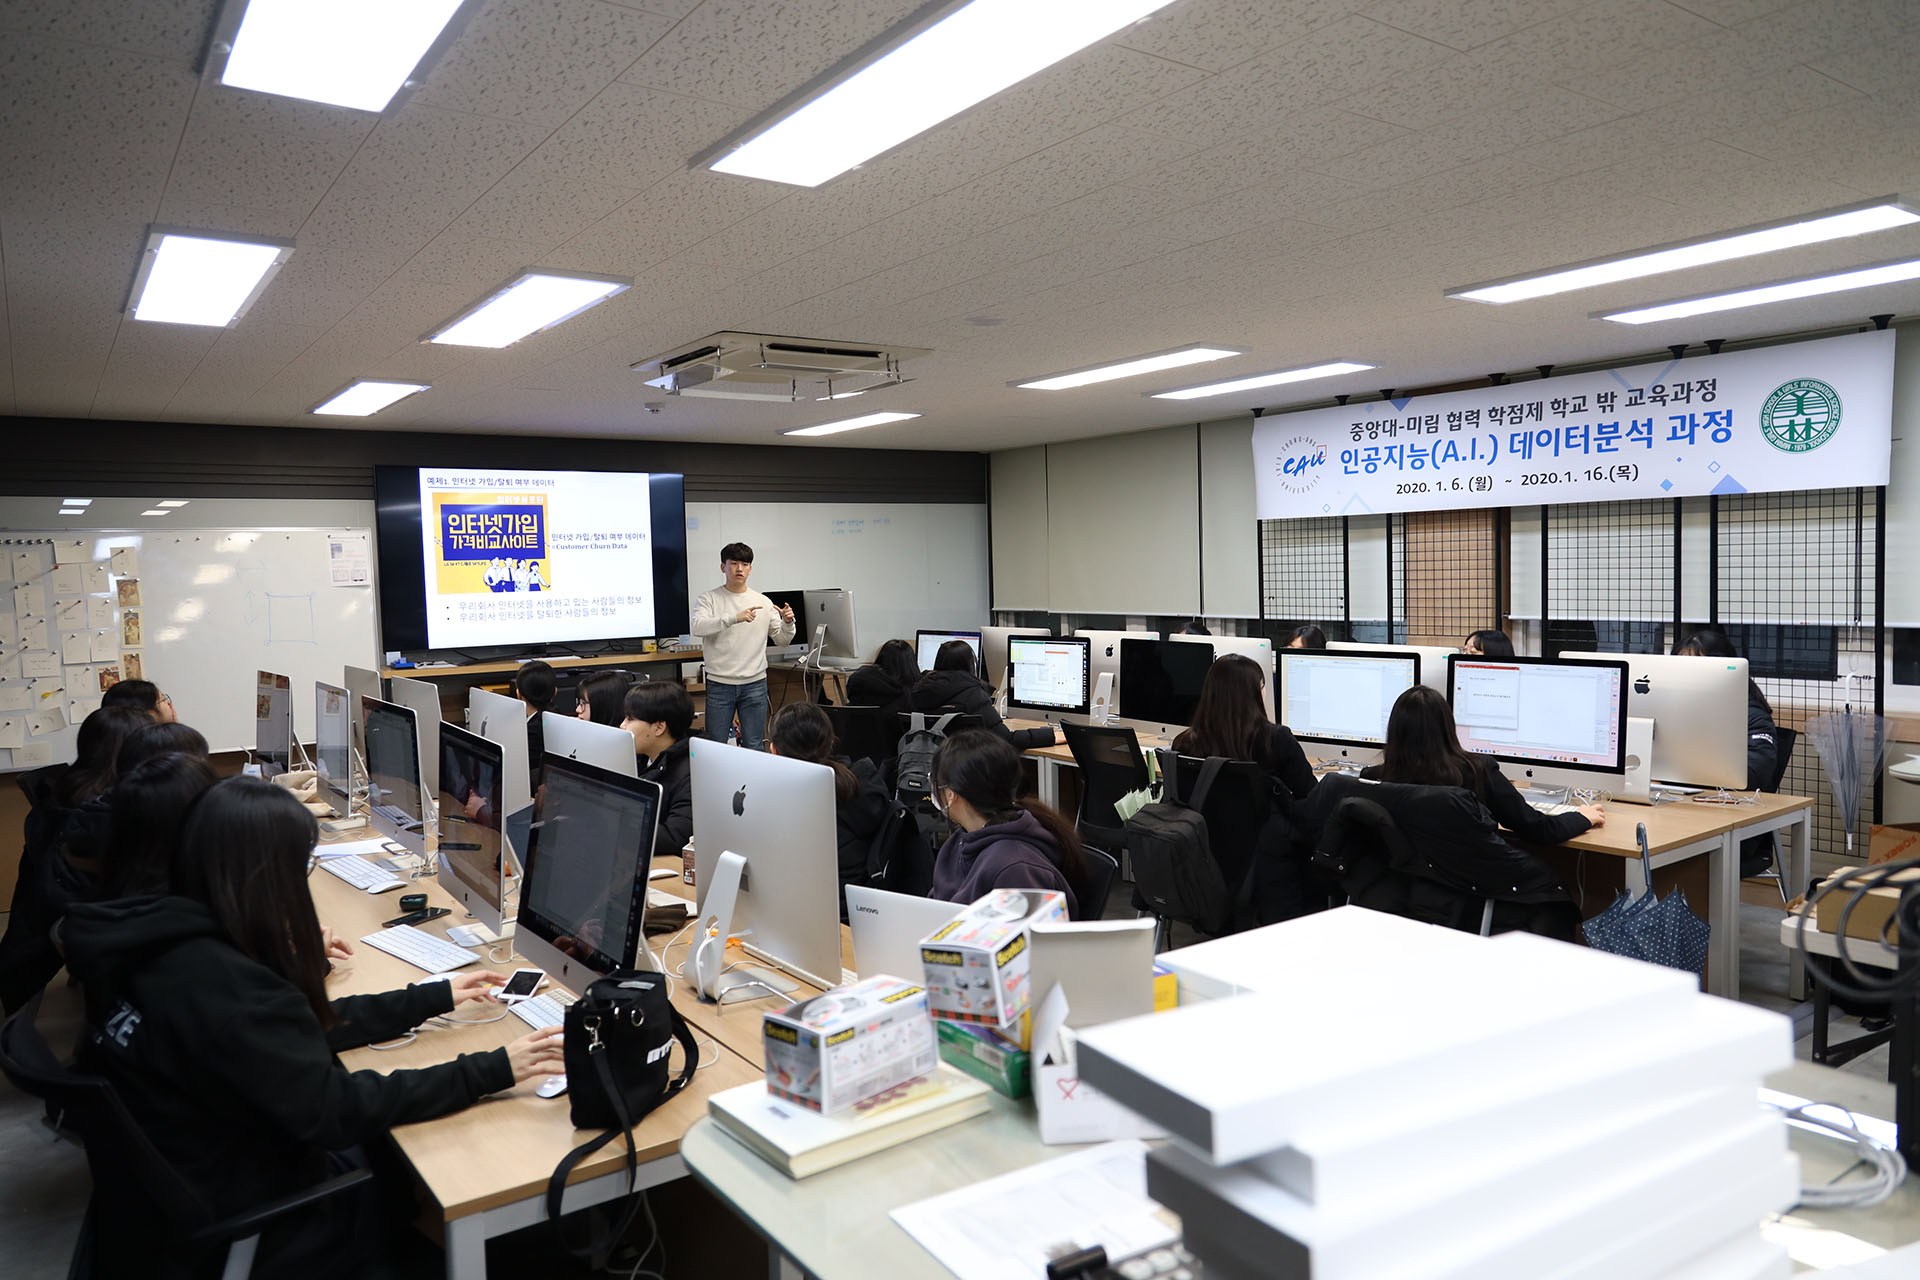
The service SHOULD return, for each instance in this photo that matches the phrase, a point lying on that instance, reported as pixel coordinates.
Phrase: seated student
(161, 738)
(952, 683)
(1193, 628)
(86, 841)
(141, 695)
(1756, 852)
(1487, 644)
(659, 715)
(1307, 637)
(887, 682)
(601, 698)
(146, 814)
(801, 731)
(534, 684)
(219, 1038)
(1231, 720)
(1005, 841)
(1423, 747)
(72, 810)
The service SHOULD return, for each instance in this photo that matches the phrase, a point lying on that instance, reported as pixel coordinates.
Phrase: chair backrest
(1236, 810)
(1102, 870)
(902, 857)
(1110, 766)
(1783, 740)
(860, 733)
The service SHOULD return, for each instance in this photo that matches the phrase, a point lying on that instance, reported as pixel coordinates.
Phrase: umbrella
(1851, 745)
(1651, 928)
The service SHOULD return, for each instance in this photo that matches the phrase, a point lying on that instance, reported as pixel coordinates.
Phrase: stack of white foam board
(1397, 1102)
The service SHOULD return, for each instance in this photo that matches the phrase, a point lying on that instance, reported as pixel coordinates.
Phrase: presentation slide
(518, 556)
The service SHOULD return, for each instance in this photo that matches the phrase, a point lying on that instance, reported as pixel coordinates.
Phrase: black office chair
(1110, 766)
(1776, 870)
(859, 732)
(1236, 811)
(1102, 870)
(140, 1203)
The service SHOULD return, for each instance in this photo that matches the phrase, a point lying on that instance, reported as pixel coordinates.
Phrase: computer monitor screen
(1256, 649)
(1343, 698)
(794, 600)
(1160, 681)
(1049, 673)
(471, 807)
(272, 722)
(333, 742)
(393, 772)
(993, 650)
(585, 889)
(1571, 715)
(927, 645)
(1433, 658)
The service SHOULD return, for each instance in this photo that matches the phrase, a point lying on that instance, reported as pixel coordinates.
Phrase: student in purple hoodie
(1005, 841)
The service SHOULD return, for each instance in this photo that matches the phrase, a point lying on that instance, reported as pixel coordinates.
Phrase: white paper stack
(1424, 1103)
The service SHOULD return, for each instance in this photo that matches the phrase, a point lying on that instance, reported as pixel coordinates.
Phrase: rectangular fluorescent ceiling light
(345, 53)
(364, 398)
(923, 75)
(73, 511)
(851, 424)
(1767, 237)
(1262, 380)
(1129, 368)
(76, 502)
(194, 277)
(530, 302)
(1760, 295)
(156, 512)
(172, 502)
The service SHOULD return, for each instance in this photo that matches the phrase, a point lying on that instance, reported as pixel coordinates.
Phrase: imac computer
(1433, 658)
(1160, 682)
(927, 646)
(423, 697)
(1048, 674)
(1258, 649)
(503, 720)
(272, 723)
(1103, 655)
(360, 682)
(603, 745)
(333, 745)
(1342, 700)
(472, 868)
(834, 611)
(395, 798)
(1699, 711)
(993, 650)
(585, 891)
(1547, 722)
(766, 859)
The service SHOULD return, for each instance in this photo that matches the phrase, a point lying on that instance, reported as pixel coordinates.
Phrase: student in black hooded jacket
(887, 683)
(214, 1025)
(952, 683)
(659, 715)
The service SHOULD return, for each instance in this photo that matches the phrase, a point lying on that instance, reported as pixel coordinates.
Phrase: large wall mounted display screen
(477, 558)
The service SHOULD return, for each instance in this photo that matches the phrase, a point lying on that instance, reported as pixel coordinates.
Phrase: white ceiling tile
(539, 61)
(1883, 69)
(633, 137)
(752, 53)
(667, 219)
(1216, 34)
(172, 29)
(1581, 48)
(1466, 24)
(1729, 13)
(535, 206)
(451, 156)
(148, 364)
(276, 157)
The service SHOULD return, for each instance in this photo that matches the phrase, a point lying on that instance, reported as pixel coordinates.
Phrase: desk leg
(1723, 917)
(466, 1243)
(1799, 872)
(1049, 771)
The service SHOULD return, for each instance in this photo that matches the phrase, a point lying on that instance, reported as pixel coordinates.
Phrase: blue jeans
(749, 701)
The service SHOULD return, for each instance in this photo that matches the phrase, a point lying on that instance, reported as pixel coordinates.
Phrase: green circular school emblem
(1800, 415)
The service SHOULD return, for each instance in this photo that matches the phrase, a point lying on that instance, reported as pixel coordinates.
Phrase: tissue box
(976, 965)
(982, 1054)
(836, 1050)
(1070, 1109)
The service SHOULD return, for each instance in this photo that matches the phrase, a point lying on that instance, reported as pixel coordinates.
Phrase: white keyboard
(540, 1012)
(435, 955)
(398, 817)
(362, 874)
(1551, 809)
(668, 901)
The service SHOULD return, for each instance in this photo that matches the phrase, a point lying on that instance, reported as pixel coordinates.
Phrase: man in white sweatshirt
(735, 627)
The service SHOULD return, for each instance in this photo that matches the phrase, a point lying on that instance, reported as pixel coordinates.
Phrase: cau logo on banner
(1800, 416)
(1297, 464)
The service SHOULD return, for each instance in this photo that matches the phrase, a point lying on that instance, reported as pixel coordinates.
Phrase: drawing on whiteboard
(290, 619)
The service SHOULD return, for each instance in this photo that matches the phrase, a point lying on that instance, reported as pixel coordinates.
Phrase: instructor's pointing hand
(747, 615)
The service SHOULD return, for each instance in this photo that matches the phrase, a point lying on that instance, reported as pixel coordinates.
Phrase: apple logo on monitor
(1643, 685)
(739, 802)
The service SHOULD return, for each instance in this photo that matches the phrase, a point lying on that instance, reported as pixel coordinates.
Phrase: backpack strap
(1169, 774)
(940, 725)
(916, 721)
(1203, 786)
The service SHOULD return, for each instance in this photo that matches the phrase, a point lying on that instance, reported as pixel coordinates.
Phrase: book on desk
(800, 1142)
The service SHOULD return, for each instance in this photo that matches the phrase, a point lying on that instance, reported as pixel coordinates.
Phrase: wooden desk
(507, 668)
(486, 1168)
(1050, 759)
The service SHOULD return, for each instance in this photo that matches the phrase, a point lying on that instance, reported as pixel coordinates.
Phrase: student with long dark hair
(167, 737)
(536, 685)
(1231, 720)
(215, 1028)
(887, 682)
(1006, 840)
(141, 695)
(801, 731)
(602, 698)
(1423, 747)
(1307, 637)
(952, 683)
(659, 715)
(1488, 643)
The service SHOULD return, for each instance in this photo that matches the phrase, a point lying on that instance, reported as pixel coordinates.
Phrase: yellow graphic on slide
(490, 543)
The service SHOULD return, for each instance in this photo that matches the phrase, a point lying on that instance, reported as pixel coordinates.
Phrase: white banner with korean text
(1804, 415)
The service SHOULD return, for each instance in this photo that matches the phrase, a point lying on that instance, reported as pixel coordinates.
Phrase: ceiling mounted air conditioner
(757, 366)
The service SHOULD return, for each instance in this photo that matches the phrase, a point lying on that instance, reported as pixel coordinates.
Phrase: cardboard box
(977, 966)
(1893, 842)
(983, 1054)
(835, 1050)
(1871, 916)
(1070, 1109)
(1166, 988)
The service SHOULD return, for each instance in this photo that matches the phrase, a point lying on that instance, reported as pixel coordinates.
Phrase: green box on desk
(985, 1056)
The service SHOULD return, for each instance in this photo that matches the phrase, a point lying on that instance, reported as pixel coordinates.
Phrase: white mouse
(551, 1087)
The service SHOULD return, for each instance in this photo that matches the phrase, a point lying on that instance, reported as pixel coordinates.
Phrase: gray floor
(43, 1180)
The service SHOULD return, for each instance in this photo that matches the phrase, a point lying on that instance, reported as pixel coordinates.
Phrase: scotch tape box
(837, 1049)
(984, 1055)
(976, 965)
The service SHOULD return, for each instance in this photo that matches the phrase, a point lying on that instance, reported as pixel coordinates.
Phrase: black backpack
(900, 859)
(1174, 870)
(913, 763)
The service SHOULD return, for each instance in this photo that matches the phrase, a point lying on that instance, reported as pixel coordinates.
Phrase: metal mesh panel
(1447, 572)
(1610, 576)
(1303, 569)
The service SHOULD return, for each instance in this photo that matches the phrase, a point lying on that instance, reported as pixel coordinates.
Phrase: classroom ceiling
(1297, 178)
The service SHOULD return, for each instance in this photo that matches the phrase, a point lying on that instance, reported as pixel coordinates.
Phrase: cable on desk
(494, 956)
(473, 1022)
(1889, 1168)
(386, 1046)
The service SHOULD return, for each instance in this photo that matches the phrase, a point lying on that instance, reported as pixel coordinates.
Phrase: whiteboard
(219, 604)
(908, 565)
